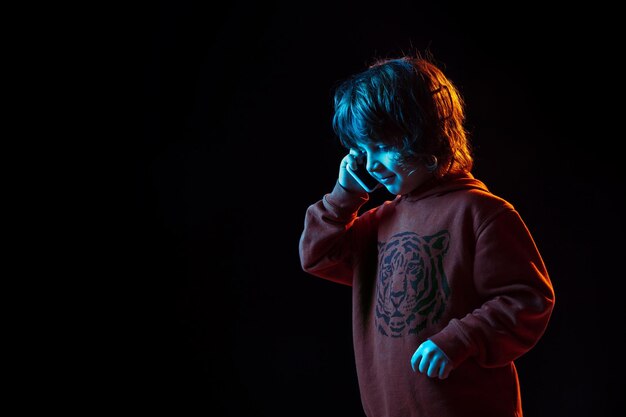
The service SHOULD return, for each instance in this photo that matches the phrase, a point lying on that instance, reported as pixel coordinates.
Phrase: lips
(387, 179)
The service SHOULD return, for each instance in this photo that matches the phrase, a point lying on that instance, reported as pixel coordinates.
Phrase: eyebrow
(372, 144)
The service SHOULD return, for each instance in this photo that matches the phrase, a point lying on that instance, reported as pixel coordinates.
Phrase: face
(383, 163)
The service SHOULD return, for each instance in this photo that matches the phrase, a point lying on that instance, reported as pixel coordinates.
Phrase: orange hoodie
(450, 262)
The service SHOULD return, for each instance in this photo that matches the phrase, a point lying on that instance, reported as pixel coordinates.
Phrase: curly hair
(407, 103)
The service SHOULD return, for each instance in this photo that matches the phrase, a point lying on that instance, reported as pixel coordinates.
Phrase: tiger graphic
(412, 288)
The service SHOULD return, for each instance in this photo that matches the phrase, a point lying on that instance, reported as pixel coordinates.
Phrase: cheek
(392, 161)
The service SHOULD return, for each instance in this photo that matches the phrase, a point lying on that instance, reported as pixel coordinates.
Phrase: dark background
(235, 142)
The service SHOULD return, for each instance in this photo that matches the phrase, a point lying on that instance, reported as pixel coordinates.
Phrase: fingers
(346, 179)
(444, 371)
(428, 359)
(354, 157)
(355, 152)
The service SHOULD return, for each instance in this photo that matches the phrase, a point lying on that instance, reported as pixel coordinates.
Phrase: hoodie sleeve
(324, 249)
(511, 278)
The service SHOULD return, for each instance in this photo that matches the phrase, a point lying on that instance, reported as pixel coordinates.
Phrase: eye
(383, 148)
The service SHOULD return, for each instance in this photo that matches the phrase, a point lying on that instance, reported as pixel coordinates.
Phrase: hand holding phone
(364, 178)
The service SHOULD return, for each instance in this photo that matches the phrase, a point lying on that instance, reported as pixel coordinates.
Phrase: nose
(372, 163)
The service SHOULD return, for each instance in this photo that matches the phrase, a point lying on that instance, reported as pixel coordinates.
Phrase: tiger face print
(412, 288)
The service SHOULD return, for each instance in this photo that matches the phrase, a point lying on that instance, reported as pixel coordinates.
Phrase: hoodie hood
(439, 186)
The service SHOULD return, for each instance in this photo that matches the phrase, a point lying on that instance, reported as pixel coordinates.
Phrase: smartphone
(364, 178)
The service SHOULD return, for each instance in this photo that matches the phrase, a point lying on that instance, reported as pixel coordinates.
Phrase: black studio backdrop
(236, 142)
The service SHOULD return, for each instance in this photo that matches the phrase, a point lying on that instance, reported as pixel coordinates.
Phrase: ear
(431, 163)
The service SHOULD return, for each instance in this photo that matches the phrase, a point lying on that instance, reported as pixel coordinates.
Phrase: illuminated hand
(431, 360)
(346, 179)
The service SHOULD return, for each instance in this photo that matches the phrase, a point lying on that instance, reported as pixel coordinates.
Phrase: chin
(393, 189)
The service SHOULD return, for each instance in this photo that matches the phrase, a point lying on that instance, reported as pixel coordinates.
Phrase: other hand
(430, 360)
